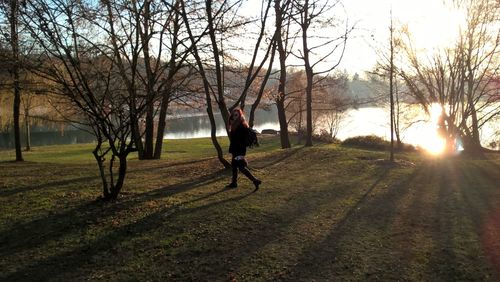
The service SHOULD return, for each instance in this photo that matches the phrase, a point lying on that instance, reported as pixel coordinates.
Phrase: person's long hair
(233, 124)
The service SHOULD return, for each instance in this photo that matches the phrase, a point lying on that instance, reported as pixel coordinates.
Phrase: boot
(257, 182)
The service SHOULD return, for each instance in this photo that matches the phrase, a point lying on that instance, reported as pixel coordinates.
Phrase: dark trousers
(242, 166)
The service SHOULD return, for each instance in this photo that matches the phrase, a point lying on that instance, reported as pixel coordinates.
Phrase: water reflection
(416, 128)
(199, 126)
(43, 138)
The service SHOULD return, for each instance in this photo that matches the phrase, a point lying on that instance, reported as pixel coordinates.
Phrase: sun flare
(435, 145)
(429, 138)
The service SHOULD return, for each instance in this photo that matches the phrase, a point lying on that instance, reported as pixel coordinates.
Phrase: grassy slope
(324, 213)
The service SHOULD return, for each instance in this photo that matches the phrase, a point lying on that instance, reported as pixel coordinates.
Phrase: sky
(431, 23)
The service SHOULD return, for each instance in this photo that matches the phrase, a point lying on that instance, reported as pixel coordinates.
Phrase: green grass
(181, 149)
(323, 213)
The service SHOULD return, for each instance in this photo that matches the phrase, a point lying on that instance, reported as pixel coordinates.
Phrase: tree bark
(309, 73)
(207, 91)
(309, 123)
(100, 163)
(280, 99)
(149, 132)
(167, 91)
(256, 103)
(161, 126)
(122, 170)
(391, 90)
(150, 81)
(28, 133)
(284, 138)
(14, 42)
(219, 68)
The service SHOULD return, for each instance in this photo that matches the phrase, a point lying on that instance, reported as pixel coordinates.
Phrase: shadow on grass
(277, 226)
(480, 188)
(33, 234)
(429, 226)
(281, 157)
(54, 184)
(346, 252)
(84, 179)
(374, 237)
(67, 261)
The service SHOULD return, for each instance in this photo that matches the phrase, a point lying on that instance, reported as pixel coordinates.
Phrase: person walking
(238, 135)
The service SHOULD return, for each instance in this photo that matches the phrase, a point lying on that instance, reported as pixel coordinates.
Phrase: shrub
(376, 143)
(325, 137)
(369, 142)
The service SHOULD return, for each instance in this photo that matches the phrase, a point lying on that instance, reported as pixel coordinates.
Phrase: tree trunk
(280, 100)
(161, 127)
(391, 91)
(219, 68)
(167, 91)
(285, 141)
(300, 126)
(399, 143)
(100, 163)
(17, 127)
(213, 136)
(262, 88)
(309, 74)
(309, 123)
(149, 132)
(122, 170)
(475, 138)
(28, 134)
(136, 133)
(207, 90)
(144, 30)
(14, 8)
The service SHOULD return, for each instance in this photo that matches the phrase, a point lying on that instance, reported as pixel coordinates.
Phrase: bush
(325, 137)
(375, 142)
(370, 142)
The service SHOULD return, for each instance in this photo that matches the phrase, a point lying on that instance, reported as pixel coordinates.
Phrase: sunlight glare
(435, 145)
(430, 139)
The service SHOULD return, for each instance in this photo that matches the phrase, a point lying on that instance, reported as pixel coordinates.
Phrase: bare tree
(332, 102)
(391, 86)
(284, 41)
(82, 70)
(146, 38)
(205, 27)
(329, 106)
(459, 78)
(10, 10)
(311, 15)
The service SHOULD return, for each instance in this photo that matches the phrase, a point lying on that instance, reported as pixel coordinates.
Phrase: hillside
(323, 213)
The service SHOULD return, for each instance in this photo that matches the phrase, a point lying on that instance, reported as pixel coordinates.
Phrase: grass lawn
(322, 213)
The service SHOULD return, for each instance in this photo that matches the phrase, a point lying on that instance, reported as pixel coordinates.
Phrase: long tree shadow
(443, 261)
(340, 253)
(232, 252)
(169, 165)
(279, 157)
(51, 185)
(436, 219)
(85, 179)
(35, 233)
(479, 186)
(70, 260)
(277, 225)
(170, 190)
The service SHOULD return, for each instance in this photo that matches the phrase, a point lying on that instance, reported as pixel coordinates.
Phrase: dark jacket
(237, 139)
